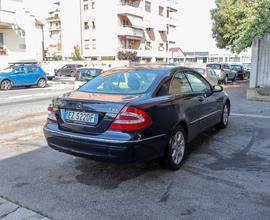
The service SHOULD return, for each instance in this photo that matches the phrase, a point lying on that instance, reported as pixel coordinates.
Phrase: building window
(1, 40)
(93, 5)
(148, 46)
(86, 45)
(93, 25)
(148, 6)
(125, 23)
(161, 11)
(85, 7)
(86, 25)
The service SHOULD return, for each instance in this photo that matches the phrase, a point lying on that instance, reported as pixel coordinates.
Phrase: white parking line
(24, 96)
(250, 115)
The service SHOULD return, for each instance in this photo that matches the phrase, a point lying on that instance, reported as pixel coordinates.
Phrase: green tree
(76, 55)
(237, 22)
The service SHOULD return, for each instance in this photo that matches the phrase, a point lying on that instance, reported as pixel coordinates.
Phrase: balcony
(172, 21)
(129, 9)
(54, 28)
(7, 18)
(131, 32)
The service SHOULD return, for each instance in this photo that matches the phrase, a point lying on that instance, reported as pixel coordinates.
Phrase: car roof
(90, 68)
(159, 69)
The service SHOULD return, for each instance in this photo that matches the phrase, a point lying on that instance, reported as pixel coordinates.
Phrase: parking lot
(226, 175)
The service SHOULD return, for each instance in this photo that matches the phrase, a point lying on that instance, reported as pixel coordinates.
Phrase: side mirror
(217, 88)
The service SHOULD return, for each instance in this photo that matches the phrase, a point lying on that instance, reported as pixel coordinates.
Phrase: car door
(31, 75)
(208, 108)
(185, 103)
(18, 76)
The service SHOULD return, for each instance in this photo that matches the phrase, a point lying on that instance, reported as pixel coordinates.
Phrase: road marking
(250, 115)
(24, 96)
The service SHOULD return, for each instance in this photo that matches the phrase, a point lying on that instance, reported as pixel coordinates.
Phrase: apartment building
(147, 27)
(54, 27)
(20, 33)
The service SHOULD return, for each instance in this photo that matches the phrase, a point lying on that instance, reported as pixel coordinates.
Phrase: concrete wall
(260, 70)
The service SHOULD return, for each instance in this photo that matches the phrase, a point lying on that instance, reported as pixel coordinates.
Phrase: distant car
(241, 72)
(223, 71)
(22, 75)
(85, 74)
(136, 114)
(208, 74)
(68, 70)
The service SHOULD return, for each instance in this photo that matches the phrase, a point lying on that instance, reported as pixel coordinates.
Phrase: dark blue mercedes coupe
(136, 114)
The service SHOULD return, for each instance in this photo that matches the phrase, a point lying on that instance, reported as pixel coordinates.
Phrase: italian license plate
(83, 117)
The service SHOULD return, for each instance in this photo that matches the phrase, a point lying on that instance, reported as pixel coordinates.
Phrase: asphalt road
(226, 175)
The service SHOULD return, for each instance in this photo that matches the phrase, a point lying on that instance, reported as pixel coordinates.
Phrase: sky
(194, 22)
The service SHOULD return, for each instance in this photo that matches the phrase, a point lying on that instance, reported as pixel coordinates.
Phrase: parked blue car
(22, 75)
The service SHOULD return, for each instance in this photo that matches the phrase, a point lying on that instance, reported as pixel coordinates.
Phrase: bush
(107, 58)
(128, 55)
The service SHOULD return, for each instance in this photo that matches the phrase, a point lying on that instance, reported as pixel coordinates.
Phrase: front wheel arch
(7, 80)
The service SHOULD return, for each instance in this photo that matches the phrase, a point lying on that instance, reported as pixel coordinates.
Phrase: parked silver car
(223, 71)
(208, 73)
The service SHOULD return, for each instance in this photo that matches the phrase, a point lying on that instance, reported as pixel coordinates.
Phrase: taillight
(51, 112)
(130, 119)
(222, 70)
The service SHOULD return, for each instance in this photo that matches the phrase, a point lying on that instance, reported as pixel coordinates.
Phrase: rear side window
(198, 84)
(87, 74)
(179, 84)
(199, 70)
(122, 83)
(32, 69)
(214, 66)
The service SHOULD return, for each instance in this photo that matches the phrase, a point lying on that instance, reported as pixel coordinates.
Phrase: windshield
(124, 83)
(87, 74)
(7, 70)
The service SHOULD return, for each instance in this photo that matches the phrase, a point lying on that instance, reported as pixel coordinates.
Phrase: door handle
(200, 99)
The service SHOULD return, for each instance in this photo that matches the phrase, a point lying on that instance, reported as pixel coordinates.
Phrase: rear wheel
(176, 150)
(6, 85)
(224, 121)
(41, 83)
(226, 80)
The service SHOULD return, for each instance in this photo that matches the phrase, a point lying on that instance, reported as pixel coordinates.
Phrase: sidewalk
(12, 211)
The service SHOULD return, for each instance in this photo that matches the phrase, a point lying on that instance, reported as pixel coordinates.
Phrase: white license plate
(84, 117)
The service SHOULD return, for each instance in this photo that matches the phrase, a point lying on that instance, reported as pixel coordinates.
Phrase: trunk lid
(105, 107)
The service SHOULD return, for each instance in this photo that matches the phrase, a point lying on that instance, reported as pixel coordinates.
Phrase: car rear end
(103, 120)
(219, 70)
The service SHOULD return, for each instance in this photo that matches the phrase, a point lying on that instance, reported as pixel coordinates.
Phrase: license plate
(84, 117)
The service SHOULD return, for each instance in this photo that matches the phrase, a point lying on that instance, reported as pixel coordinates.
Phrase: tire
(41, 83)
(225, 81)
(176, 150)
(6, 85)
(234, 78)
(224, 121)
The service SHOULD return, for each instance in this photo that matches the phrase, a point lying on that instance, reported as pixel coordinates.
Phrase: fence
(260, 71)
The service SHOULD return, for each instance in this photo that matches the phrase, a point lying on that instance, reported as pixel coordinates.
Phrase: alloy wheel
(225, 115)
(178, 147)
(5, 85)
(41, 83)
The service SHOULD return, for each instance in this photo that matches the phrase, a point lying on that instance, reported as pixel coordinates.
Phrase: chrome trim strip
(67, 134)
(206, 116)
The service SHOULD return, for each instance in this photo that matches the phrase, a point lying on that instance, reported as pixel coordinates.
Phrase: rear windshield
(87, 74)
(199, 70)
(214, 66)
(236, 67)
(124, 83)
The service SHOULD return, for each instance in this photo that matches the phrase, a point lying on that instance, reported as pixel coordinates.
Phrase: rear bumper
(101, 149)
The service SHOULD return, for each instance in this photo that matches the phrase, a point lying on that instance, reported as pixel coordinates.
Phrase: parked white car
(85, 74)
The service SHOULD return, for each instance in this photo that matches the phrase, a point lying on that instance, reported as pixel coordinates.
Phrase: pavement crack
(6, 214)
(166, 194)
